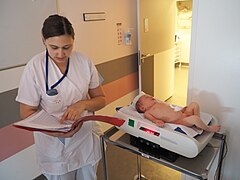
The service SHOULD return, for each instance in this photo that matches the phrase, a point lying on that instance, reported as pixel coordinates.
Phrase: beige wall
(98, 39)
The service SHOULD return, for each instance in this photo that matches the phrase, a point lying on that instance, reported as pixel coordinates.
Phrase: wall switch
(146, 29)
(128, 37)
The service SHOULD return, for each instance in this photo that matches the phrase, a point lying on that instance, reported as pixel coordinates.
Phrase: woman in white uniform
(66, 85)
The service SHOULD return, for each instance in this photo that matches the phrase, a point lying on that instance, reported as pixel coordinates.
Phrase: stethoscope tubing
(52, 91)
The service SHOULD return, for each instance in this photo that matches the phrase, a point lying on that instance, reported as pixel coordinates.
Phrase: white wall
(21, 29)
(215, 70)
(10, 78)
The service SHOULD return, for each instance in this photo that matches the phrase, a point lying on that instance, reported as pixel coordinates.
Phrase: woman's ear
(44, 42)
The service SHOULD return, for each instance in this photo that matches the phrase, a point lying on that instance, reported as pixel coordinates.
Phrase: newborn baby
(161, 112)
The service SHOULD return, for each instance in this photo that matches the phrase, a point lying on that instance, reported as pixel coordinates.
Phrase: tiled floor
(180, 86)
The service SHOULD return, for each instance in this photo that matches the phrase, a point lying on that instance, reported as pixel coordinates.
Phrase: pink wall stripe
(14, 140)
(121, 87)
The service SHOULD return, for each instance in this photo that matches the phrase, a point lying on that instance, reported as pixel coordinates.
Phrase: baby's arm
(150, 117)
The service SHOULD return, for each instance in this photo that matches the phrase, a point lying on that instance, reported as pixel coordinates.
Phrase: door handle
(145, 56)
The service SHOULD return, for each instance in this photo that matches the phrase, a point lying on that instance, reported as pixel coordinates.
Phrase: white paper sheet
(43, 121)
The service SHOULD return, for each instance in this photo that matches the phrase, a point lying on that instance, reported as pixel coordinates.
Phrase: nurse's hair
(56, 25)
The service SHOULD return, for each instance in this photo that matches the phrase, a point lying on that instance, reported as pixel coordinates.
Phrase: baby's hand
(159, 123)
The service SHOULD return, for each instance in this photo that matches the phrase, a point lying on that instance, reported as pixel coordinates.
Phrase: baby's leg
(192, 109)
(195, 120)
(214, 128)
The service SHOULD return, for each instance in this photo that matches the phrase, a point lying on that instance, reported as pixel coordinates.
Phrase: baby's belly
(172, 116)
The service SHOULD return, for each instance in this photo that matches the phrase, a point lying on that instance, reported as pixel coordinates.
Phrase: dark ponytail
(56, 25)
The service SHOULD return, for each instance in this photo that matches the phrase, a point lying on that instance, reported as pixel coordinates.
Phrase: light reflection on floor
(180, 86)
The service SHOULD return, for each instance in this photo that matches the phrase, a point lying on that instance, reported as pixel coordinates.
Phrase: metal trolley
(197, 167)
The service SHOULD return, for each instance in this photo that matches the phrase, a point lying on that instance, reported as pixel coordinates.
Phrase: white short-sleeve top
(53, 156)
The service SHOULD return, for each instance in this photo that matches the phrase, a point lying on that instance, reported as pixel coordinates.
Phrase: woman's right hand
(73, 112)
(75, 128)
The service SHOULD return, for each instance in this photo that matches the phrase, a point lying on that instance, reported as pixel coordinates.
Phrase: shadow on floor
(122, 165)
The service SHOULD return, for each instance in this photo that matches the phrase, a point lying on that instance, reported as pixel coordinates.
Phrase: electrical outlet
(119, 33)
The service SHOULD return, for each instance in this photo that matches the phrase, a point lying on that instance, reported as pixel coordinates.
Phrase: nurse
(66, 85)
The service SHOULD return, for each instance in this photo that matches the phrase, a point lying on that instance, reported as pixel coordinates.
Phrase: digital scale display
(149, 131)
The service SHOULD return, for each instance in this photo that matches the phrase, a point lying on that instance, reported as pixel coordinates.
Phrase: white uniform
(53, 156)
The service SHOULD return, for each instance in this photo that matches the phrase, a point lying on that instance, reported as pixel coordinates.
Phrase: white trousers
(87, 172)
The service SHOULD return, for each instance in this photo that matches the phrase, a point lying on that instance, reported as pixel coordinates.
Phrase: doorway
(164, 48)
(182, 52)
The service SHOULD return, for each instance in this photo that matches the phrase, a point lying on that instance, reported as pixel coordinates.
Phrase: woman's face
(59, 48)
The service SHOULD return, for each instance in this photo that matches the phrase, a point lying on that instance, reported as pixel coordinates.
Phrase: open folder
(42, 121)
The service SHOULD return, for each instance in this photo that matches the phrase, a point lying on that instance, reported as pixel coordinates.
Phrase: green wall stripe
(9, 112)
(118, 68)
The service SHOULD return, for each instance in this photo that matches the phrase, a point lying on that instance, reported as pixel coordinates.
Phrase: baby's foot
(214, 128)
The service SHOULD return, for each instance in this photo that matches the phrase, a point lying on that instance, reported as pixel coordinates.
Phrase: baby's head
(144, 102)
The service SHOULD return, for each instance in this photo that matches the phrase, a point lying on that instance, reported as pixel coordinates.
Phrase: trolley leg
(139, 175)
(221, 154)
(104, 163)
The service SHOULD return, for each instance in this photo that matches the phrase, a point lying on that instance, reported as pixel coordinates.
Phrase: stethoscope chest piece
(52, 92)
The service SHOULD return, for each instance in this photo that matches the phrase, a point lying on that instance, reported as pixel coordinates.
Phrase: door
(156, 25)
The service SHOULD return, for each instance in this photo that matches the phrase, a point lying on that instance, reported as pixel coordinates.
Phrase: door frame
(195, 7)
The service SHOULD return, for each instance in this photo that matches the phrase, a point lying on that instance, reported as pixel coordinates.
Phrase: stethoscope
(52, 91)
